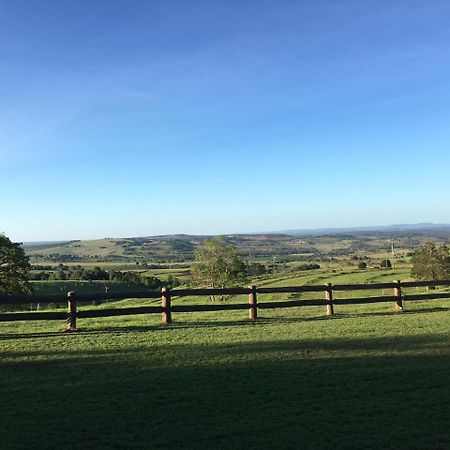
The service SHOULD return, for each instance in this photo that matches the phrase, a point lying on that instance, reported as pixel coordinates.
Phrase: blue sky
(206, 117)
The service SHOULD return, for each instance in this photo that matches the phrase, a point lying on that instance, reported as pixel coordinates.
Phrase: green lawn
(366, 378)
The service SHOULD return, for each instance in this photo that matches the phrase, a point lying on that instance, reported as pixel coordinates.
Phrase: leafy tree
(430, 262)
(57, 275)
(218, 265)
(256, 269)
(39, 276)
(362, 265)
(98, 274)
(76, 274)
(172, 281)
(14, 268)
(386, 264)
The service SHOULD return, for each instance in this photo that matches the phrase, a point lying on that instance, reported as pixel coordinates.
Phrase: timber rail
(253, 306)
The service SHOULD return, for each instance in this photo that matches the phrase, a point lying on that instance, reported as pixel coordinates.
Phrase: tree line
(79, 273)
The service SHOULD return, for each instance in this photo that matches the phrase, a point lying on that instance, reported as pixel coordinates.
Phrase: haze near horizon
(219, 117)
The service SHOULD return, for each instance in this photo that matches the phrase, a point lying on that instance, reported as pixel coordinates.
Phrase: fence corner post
(71, 311)
(329, 299)
(399, 296)
(252, 304)
(166, 306)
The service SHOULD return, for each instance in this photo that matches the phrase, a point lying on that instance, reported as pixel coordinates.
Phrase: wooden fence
(166, 309)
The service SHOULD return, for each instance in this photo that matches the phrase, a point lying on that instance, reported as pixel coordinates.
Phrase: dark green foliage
(255, 269)
(172, 281)
(57, 275)
(14, 268)
(40, 276)
(386, 264)
(97, 274)
(431, 262)
(362, 265)
(311, 266)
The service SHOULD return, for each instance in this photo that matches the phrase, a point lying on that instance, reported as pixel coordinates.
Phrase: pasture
(364, 378)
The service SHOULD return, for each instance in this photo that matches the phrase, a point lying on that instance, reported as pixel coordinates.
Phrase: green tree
(386, 264)
(430, 262)
(218, 265)
(14, 268)
(362, 265)
(256, 269)
(57, 275)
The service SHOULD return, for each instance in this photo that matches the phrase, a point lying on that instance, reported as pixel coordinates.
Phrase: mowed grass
(366, 378)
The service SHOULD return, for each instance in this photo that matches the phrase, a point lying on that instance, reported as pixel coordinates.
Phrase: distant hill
(44, 243)
(418, 227)
(302, 245)
(161, 249)
(169, 248)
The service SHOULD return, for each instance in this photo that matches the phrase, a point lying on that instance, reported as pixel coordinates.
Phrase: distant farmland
(180, 248)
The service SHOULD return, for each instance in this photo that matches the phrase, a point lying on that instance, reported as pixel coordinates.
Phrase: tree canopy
(14, 268)
(218, 265)
(430, 262)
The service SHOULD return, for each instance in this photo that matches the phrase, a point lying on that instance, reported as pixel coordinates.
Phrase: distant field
(82, 287)
(311, 277)
(316, 277)
(263, 247)
(182, 274)
(366, 378)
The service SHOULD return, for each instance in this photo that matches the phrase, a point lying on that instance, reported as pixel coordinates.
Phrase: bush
(311, 266)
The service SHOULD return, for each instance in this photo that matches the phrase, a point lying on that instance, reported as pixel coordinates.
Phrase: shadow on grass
(323, 393)
(80, 331)
(426, 311)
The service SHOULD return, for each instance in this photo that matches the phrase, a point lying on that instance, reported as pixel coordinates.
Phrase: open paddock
(296, 378)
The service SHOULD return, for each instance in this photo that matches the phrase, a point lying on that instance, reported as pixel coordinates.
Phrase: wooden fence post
(71, 312)
(398, 294)
(329, 299)
(253, 304)
(166, 306)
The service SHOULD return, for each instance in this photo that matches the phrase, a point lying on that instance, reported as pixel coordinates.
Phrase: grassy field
(366, 378)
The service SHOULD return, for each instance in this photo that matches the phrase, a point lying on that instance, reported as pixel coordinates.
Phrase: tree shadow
(349, 393)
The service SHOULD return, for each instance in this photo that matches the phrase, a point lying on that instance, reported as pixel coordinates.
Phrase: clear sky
(133, 118)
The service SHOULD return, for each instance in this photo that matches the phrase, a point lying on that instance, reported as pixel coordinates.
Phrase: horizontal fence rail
(166, 295)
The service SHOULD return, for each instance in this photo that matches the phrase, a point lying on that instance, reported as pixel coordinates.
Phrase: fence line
(166, 309)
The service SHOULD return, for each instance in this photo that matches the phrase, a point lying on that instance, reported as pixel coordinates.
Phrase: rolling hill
(177, 248)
